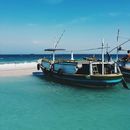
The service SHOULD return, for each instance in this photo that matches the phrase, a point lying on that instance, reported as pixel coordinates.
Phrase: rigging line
(59, 39)
(119, 45)
(88, 49)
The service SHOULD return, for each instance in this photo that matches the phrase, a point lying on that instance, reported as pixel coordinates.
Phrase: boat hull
(126, 73)
(83, 80)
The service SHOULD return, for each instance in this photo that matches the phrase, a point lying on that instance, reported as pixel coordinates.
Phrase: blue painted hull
(84, 80)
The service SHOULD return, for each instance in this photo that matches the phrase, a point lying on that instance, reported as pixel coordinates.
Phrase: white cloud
(79, 20)
(114, 14)
(71, 22)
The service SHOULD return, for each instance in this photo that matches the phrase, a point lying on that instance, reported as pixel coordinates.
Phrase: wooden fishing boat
(86, 73)
(90, 73)
(83, 73)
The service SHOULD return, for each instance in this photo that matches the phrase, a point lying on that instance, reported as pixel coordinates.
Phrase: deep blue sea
(33, 57)
(33, 103)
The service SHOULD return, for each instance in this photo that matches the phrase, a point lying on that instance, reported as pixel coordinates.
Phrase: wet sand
(17, 72)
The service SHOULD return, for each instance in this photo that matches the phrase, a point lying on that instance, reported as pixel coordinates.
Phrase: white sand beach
(19, 69)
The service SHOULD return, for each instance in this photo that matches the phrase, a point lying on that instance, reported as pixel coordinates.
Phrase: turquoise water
(32, 103)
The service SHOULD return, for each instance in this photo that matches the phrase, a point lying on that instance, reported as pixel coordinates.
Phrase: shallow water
(33, 103)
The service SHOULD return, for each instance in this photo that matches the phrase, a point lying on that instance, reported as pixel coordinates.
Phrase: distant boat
(86, 73)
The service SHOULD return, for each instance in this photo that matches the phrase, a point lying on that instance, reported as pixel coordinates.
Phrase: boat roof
(81, 61)
(54, 49)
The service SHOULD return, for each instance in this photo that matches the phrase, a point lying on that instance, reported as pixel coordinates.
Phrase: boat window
(84, 69)
(108, 69)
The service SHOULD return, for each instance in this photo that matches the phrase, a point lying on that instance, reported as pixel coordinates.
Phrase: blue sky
(30, 26)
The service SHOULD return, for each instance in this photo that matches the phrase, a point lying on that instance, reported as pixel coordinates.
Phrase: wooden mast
(55, 46)
(102, 56)
(72, 55)
(117, 46)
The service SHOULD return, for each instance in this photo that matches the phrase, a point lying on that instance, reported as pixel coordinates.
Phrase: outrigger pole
(119, 46)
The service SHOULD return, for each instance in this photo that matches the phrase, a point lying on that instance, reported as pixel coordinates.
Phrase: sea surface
(33, 103)
(22, 58)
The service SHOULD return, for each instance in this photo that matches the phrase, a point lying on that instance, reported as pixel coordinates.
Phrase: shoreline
(14, 70)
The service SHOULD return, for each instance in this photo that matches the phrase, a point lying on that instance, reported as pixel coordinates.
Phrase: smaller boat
(124, 65)
(86, 73)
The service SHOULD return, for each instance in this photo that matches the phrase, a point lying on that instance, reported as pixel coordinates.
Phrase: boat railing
(65, 60)
(109, 68)
(46, 60)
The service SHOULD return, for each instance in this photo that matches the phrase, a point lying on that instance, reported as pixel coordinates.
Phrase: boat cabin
(81, 67)
(97, 68)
